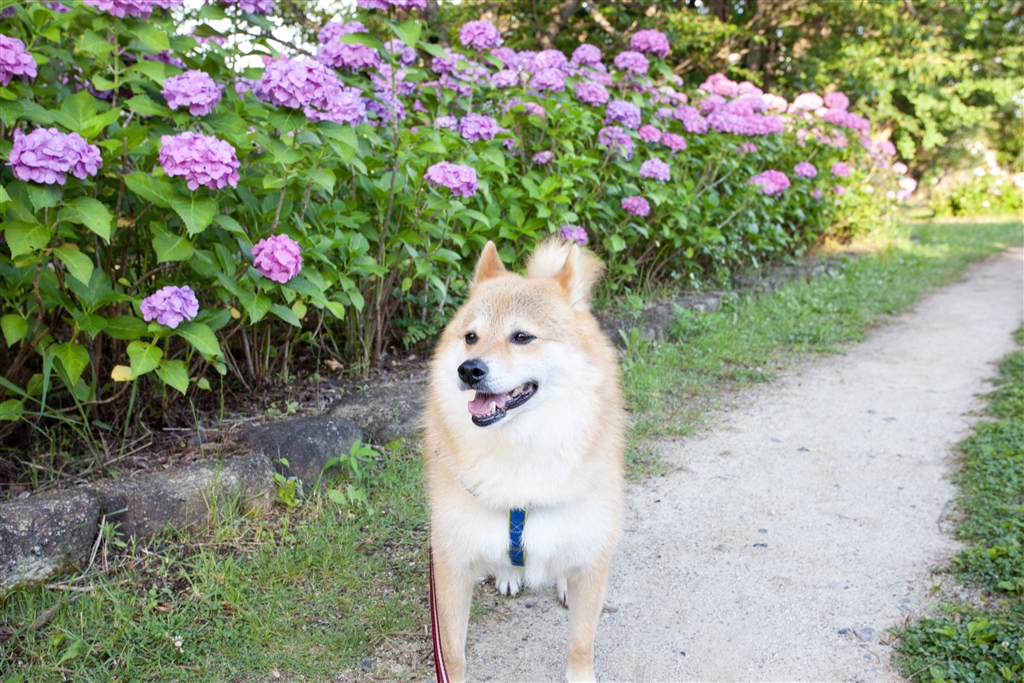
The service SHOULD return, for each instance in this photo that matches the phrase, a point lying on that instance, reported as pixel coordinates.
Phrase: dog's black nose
(472, 371)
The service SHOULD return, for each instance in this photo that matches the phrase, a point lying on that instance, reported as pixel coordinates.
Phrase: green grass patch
(314, 591)
(970, 644)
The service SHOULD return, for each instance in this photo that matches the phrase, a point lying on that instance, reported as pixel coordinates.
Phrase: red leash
(442, 675)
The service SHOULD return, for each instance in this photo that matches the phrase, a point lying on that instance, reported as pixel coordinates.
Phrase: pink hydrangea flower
(550, 59)
(406, 55)
(673, 141)
(336, 29)
(193, 89)
(887, 148)
(300, 84)
(352, 56)
(650, 42)
(348, 106)
(461, 180)
(907, 187)
(200, 159)
(775, 102)
(447, 122)
(693, 122)
(805, 169)
(655, 169)
(746, 148)
(807, 101)
(120, 8)
(816, 193)
(479, 35)
(505, 78)
(253, 6)
(388, 4)
(616, 140)
(841, 117)
(720, 84)
(900, 168)
(840, 169)
(748, 88)
(477, 127)
(638, 206)
(837, 100)
(586, 55)
(632, 61)
(542, 158)
(548, 79)
(15, 60)
(839, 190)
(277, 257)
(621, 111)
(589, 92)
(712, 103)
(649, 134)
(772, 182)
(46, 155)
(170, 305)
(573, 233)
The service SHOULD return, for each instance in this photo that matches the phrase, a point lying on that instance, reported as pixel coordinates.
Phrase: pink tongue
(481, 403)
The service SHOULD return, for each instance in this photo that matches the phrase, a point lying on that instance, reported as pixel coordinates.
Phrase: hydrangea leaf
(15, 328)
(74, 358)
(196, 212)
(154, 38)
(78, 264)
(200, 336)
(286, 314)
(142, 104)
(151, 189)
(145, 357)
(90, 212)
(174, 373)
(11, 410)
(125, 327)
(24, 238)
(171, 247)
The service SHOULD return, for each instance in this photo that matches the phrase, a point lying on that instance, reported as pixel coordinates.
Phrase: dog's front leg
(453, 588)
(586, 588)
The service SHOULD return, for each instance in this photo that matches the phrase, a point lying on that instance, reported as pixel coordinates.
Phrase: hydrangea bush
(167, 212)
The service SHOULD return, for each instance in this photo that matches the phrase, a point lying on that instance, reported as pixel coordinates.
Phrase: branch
(560, 17)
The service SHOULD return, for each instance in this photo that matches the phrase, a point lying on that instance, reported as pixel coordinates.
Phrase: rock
(386, 412)
(307, 443)
(864, 633)
(186, 496)
(42, 534)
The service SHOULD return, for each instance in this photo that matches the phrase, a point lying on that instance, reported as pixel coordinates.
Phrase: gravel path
(798, 526)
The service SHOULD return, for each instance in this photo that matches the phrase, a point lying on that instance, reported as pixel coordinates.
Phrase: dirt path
(800, 525)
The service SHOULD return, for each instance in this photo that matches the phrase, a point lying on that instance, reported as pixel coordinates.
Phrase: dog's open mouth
(487, 409)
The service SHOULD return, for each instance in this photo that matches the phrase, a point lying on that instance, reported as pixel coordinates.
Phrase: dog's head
(521, 341)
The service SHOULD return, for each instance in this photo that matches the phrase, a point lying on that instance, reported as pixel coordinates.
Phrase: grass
(317, 591)
(968, 643)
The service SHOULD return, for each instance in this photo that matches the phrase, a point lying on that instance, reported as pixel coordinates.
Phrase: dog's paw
(562, 590)
(507, 585)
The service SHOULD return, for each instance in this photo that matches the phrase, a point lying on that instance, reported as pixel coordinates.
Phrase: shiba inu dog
(523, 443)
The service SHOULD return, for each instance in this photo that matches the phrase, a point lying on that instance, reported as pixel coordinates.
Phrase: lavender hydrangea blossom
(673, 141)
(720, 84)
(616, 140)
(548, 79)
(15, 60)
(46, 155)
(807, 101)
(638, 206)
(200, 159)
(170, 305)
(461, 180)
(772, 182)
(589, 92)
(805, 169)
(693, 122)
(586, 55)
(550, 59)
(621, 111)
(447, 122)
(388, 4)
(573, 233)
(336, 29)
(193, 89)
(632, 61)
(277, 257)
(253, 6)
(543, 158)
(505, 78)
(479, 35)
(120, 8)
(649, 134)
(352, 56)
(655, 169)
(840, 169)
(477, 127)
(406, 55)
(651, 42)
(837, 100)
(299, 84)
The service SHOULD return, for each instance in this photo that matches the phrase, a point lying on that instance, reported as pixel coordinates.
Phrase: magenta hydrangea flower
(170, 305)
(479, 35)
(15, 60)
(193, 89)
(805, 169)
(837, 100)
(816, 193)
(388, 4)
(505, 78)
(542, 158)
(586, 55)
(772, 182)
(589, 92)
(748, 88)
(638, 206)
(253, 6)
(506, 55)
(887, 148)
(349, 106)
(621, 111)
(573, 233)
(548, 79)
(550, 59)
(299, 84)
(746, 148)
(477, 127)
(277, 257)
(616, 140)
(720, 84)
(900, 168)
(712, 103)
(406, 55)
(461, 180)
(632, 61)
(46, 155)
(839, 190)
(650, 42)
(693, 122)
(841, 117)
(673, 141)
(120, 8)
(336, 29)
(807, 101)
(840, 169)
(200, 159)
(447, 122)
(649, 134)
(907, 187)
(775, 102)
(353, 56)
(655, 169)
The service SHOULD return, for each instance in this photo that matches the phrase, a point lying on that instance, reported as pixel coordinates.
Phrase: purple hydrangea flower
(388, 4)
(616, 140)
(353, 56)
(673, 141)
(841, 117)
(244, 85)
(712, 103)
(299, 83)
(836, 100)
(621, 111)
(638, 206)
(200, 159)
(479, 35)
(550, 59)
(14, 60)
(446, 121)
(841, 169)
(656, 169)
(839, 190)
(772, 182)
(406, 55)
(348, 106)
(277, 257)
(720, 84)
(589, 92)
(534, 109)
(632, 61)
(693, 122)
(120, 8)
(336, 29)
(775, 102)
(507, 56)
(817, 193)
(573, 233)
(477, 127)
(548, 79)
(461, 180)
(253, 6)
(650, 42)
(542, 158)
(887, 148)
(746, 148)
(170, 305)
(193, 89)
(900, 168)
(807, 101)
(649, 134)
(907, 187)
(505, 78)
(386, 78)
(748, 88)
(805, 169)
(46, 155)
(586, 55)
(385, 105)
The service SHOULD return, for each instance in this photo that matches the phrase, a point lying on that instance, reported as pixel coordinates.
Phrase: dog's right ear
(489, 265)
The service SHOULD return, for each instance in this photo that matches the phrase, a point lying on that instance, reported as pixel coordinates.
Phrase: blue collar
(516, 523)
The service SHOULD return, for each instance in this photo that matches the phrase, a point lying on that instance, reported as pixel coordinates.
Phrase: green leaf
(322, 177)
(73, 357)
(197, 212)
(155, 39)
(11, 410)
(171, 247)
(286, 314)
(286, 120)
(43, 196)
(15, 328)
(92, 126)
(92, 213)
(76, 110)
(157, 71)
(142, 104)
(23, 238)
(362, 39)
(78, 264)
(409, 31)
(231, 225)
(174, 373)
(155, 190)
(94, 44)
(145, 357)
(200, 336)
(125, 327)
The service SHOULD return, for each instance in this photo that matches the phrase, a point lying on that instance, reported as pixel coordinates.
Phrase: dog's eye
(522, 338)
(471, 338)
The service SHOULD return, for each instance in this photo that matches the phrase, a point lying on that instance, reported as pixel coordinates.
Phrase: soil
(801, 524)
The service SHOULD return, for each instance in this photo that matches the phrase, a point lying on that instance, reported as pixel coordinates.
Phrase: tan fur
(559, 454)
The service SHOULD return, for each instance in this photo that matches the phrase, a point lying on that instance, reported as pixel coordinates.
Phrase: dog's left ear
(578, 276)
(489, 265)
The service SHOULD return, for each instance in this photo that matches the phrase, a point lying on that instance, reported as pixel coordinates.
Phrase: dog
(523, 447)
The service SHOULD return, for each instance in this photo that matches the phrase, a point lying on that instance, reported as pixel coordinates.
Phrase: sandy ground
(800, 525)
